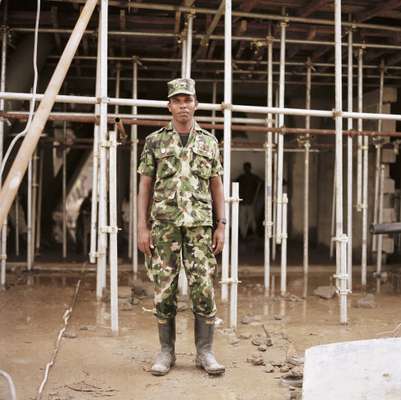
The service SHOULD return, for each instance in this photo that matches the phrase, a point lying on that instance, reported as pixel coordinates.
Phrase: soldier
(180, 178)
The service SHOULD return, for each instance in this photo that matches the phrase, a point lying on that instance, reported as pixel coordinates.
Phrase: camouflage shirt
(181, 192)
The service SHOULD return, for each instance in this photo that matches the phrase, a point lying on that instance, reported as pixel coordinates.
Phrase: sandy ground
(93, 364)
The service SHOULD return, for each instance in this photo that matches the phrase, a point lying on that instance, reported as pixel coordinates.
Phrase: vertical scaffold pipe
(29, 243)
(340, 237)
(113, 231)
(95, 165)
(234, 256)
(214, 100)
(34, 200)
(380, 237)
(3, 249)
(189, 46)
(378, 147)
(280, 149)
(360, 126)
(64, 192)
(102, 235)
(283, 282)
(40, 201)
(268, 165)
(21, 161)
(183, 57)
(306, 165)
(133, 238)
(349, 162)
(227, 142)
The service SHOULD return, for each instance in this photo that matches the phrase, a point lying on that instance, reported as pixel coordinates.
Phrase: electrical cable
(10, 384)
(34, 87)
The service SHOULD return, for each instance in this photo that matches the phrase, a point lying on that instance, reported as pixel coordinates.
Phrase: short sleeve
(217, 168)
(147, 163)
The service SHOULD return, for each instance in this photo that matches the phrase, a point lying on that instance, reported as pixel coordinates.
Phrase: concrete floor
(93, 364)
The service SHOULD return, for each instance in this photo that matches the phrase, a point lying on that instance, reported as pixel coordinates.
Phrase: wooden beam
(373, 12)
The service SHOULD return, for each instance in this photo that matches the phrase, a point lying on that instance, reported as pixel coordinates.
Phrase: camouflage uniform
(181, 216)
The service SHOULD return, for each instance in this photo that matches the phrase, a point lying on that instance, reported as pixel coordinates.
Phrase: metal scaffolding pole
(34, 201)
(227, 143)
(306, 167)
(378, 147)
(95, 166)
(17, 211)
(280, 148)
(274, 230)
(341, 238)
(283, 281)
(39, 203)
(10, 187)
(29, 251)
(183, 57)
(3, 249)
(349, 162)
(234, 257)
(102, 235)
(113, 231)
(268, 166)
(188, 60)
(214, 100)
(64, 194)
(380, 237)
(360, 127)
(133, 214)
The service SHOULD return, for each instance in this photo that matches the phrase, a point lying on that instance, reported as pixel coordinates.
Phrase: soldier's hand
(218, 239)
(145, 243)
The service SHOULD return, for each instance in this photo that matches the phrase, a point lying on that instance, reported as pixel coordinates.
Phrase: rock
(269, 368)
(256, 359)
(262, 347)
(366, 302)
(70, 334)
(245, 336)
(135, 301)
(90, 328)
(278, 317)
(277, 364)
(325, 292)
(284, 368)
(234, 340)
(249, 319)
(258, 340)
(292, 356)
(293, 378)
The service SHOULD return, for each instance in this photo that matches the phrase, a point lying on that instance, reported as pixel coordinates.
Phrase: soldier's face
(182, 107)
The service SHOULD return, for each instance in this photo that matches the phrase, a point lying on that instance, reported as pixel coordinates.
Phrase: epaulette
(209, 134)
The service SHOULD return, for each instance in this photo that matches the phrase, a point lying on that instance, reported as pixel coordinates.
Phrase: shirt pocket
(167, 163)
(201, 164)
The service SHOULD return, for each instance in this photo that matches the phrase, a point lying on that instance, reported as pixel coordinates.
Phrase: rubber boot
(166, 358)
(204, 330)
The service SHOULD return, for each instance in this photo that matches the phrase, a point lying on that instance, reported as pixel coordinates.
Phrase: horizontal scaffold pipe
(243, 14)
(207, 106)
(259, 39)
(91, 119)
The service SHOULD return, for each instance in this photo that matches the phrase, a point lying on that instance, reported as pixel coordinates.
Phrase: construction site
(302, 97)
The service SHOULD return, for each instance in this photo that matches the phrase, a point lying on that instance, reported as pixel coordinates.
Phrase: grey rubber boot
(166, 358)
(204, 330)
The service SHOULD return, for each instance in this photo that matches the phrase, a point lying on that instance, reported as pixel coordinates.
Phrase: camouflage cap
(181, 86)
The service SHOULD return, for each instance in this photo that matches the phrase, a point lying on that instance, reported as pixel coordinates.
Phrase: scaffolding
(104, 227)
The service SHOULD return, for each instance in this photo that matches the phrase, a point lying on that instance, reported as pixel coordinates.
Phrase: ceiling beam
(373, 12)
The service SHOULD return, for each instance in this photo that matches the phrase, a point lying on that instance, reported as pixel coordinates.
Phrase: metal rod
(227, 142)
(189, 46)
(280, 153)
(95, 167)
(274, 230)
(214, 100)
(333, 217)
(234, 256)
(340, 237)
(2, 135)
(39, 205)
(102, 236)
(268, 167)
(379, 256)
(10, 187)
(113, 251)
(306, 168)
(34, 200)
(349, 161)
(29, 252)
(184, 49)
(133, 239)
(360, 127)
(64, 194)
(283, 282)
(17, 217)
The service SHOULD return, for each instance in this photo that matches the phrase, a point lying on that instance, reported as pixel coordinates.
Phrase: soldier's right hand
(145, 243)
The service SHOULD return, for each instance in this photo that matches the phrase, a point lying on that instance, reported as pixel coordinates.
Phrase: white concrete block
(388, 245)
(388, 185)
(360, 370)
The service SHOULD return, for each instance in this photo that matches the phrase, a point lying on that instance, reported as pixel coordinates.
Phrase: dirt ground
(94, 364)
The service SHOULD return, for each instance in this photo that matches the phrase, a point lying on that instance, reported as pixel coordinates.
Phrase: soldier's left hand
(218, 239)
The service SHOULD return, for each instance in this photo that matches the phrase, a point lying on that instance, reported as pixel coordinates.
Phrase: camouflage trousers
(176, 247)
